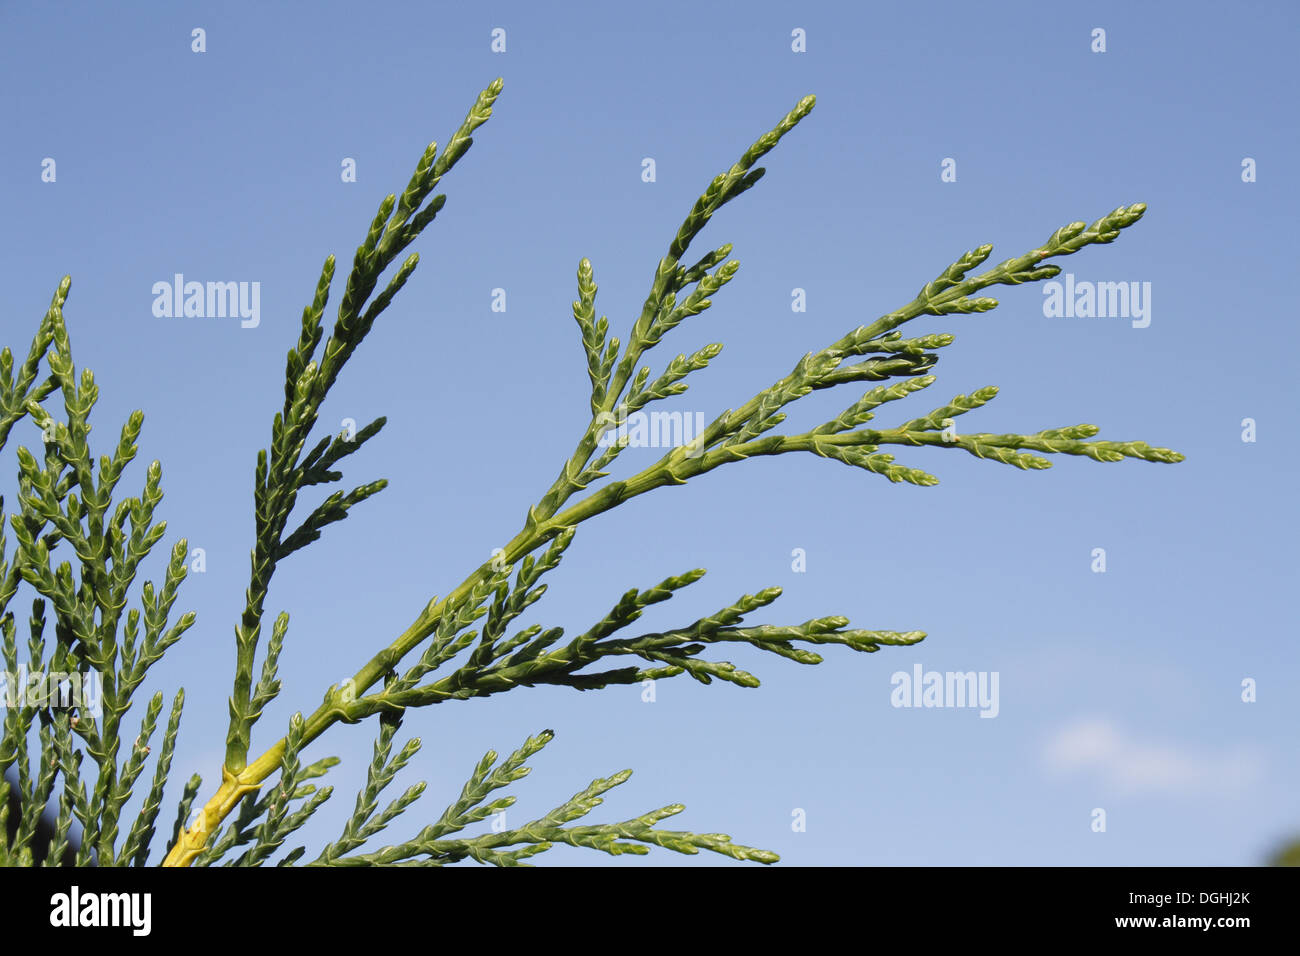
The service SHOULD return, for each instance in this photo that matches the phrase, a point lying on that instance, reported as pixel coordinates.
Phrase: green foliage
(462, 645)
(1288, 854)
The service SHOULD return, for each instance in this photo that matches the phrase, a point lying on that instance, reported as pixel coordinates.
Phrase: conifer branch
(734, 435)
(476, 640)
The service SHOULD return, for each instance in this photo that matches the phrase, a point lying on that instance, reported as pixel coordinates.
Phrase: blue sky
(1118, 690)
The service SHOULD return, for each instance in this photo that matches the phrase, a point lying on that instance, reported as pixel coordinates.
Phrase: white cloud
(1133, 765)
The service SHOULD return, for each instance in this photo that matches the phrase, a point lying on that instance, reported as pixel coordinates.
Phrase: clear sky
(1119, 690)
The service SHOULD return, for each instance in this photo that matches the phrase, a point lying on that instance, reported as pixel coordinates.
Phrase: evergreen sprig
(513, 846)
(530, 658)
(469, 642)
(66, 497)
(365, 822)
